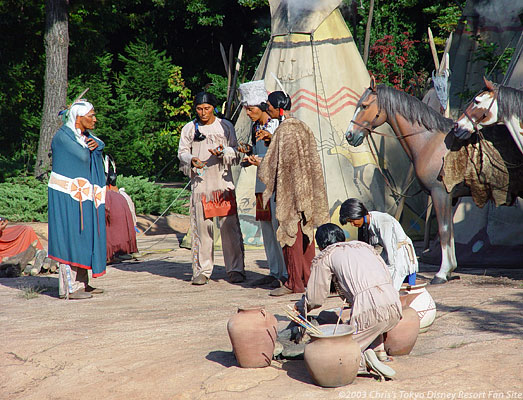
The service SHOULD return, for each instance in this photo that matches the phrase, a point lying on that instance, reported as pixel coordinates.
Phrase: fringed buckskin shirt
(363, 279)
(217, 176)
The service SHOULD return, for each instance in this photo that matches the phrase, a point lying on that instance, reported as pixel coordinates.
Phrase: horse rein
(476, 123)
(399, 137)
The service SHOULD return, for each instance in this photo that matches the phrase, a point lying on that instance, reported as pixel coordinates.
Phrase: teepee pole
(367, 33)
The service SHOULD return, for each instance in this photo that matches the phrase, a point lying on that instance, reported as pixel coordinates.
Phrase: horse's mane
(510, 103)
(412, 109)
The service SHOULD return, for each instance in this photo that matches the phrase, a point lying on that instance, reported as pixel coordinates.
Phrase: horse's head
(367, 116)
(482, 111)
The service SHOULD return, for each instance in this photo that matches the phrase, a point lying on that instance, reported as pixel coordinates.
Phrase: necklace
(263, 127)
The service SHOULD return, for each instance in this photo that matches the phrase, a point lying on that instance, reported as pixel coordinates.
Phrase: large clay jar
(418, 298)
(253, 335)
(400, 340)
(333, 359)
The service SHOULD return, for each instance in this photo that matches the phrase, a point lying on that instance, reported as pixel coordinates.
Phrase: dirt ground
(152, 335)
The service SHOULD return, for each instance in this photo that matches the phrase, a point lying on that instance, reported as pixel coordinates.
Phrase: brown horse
(422, 133)
(494, 104)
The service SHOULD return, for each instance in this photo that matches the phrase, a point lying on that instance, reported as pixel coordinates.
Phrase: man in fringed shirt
(206, 151)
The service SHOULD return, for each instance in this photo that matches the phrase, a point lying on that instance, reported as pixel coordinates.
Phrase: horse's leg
(443, 208)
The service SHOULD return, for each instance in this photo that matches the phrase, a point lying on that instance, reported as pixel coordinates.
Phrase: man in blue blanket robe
(76, 193)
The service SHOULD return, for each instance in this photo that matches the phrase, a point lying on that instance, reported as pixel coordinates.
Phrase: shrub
(151, 198)
(24, 199)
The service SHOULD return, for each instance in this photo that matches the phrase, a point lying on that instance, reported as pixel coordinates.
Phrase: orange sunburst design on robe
(81, 191)
(99, 196)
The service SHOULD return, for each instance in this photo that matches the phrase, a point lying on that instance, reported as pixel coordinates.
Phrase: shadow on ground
(182, 271)
(509, 321)
(31, 286)
(225, 358)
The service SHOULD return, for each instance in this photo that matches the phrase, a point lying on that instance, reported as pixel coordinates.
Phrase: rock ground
(154, 336)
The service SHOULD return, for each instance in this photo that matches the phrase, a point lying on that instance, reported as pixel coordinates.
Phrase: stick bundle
(295, 316)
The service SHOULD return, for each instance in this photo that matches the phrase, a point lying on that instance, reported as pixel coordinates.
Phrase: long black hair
(353, 209)
(328, 234)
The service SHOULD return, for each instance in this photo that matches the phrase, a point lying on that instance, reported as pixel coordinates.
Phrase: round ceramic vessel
(252, 331)
(400, 340)
(333, 359)
(418, 297)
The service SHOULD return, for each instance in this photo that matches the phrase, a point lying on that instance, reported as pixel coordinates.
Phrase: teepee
(313, 54)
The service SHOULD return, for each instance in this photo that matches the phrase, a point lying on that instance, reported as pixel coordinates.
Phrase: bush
(151, 198)
(24, 199)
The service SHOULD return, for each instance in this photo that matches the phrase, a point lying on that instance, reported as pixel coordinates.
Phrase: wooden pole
(433, 50)
(233, 83)
(426, 237)
(401, 204)
(367, 33)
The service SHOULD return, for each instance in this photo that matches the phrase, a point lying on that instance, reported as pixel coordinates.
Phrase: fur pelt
(491, 167)
(292, 169)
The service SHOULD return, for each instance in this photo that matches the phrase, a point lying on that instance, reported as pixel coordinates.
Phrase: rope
(318, 111)
(314, 58)
(169, 206)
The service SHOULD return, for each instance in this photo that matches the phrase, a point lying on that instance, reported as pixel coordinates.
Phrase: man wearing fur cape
(292, 169)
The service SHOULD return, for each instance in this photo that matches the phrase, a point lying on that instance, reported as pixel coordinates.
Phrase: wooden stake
(339, 316)
(433, 50)
(224, 59)
(367, 33)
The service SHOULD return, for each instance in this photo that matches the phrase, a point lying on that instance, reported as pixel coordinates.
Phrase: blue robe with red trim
(70, 241)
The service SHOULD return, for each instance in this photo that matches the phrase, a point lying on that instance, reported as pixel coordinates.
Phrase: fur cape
(491, 167)
(292, 169)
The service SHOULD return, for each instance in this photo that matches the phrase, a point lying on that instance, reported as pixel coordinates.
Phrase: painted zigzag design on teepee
(304, 98)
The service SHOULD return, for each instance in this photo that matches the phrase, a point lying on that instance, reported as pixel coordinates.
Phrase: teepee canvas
(313, 54)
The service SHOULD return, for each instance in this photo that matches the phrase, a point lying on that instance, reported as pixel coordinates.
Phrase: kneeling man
(363, 279)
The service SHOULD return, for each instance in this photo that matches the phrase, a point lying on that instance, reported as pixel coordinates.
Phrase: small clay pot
(400, 340)
(418, 298)
(332, 359)
(253, 334)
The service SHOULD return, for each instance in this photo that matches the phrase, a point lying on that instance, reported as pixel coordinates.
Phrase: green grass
(31, 292)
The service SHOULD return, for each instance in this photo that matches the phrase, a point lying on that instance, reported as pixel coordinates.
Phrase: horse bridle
(485, 113)
(399, 137)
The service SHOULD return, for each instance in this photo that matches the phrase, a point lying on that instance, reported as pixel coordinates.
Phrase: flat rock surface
(152, 335)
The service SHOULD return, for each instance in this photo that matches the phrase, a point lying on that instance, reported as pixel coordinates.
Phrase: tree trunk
(56, 52)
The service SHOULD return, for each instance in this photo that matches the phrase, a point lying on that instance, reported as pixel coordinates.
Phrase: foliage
(393, 61)
(218, 87)
(30, 292)
(151, 198)
(446, 18)
(23, 199)
(495, 60)
(406, 63)
(21, 80)
(144, 59)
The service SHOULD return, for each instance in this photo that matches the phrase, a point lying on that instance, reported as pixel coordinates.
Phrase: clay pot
(253, 335)
(400, 340)
(418, 298)
(333, 360)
